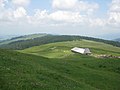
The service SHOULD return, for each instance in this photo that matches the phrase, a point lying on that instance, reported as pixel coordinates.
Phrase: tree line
(22, 44)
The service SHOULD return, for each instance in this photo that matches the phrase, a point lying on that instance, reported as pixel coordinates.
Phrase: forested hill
(22, 44)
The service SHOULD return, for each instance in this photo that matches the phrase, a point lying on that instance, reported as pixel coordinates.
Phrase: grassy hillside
(54, 67)
(63, 49)
(79, 72)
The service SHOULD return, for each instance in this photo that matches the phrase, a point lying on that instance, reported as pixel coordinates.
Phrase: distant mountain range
(118, 39)
(10, 39)
(4, 37)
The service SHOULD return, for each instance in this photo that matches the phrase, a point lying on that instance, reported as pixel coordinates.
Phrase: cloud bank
(64, 13)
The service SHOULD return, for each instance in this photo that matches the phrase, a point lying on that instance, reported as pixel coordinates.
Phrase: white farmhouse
(81, 50)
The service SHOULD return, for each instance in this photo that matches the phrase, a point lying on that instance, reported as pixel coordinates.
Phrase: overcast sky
(95, 18)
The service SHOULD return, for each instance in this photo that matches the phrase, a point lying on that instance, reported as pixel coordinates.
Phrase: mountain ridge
(45, 39)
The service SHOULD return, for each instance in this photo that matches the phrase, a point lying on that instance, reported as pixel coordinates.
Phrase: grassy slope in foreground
(63, 49)
(28, 72)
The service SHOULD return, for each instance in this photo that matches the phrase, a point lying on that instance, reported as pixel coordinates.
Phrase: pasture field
(54, 67)
(63, 49)
(76, 72)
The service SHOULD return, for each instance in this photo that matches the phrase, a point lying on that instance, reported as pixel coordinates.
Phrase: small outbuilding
(81, 50)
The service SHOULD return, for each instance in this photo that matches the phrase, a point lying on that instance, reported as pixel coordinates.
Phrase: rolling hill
(79, 72)
(63, 49)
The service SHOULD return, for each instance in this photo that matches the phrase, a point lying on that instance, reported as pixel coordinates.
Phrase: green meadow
(54, 67)
(77, 72)
(63, 49)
